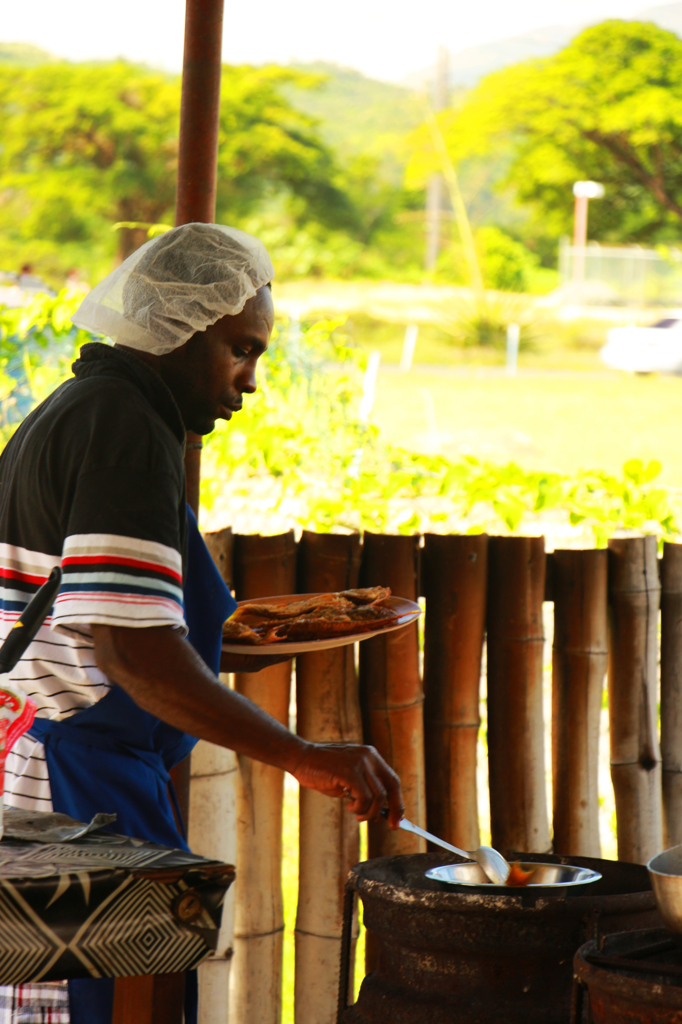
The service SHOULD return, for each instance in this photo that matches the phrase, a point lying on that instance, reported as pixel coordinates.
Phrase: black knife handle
(30, 621)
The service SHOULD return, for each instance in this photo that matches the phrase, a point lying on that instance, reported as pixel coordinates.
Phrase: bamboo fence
(578, 585)
(484, 599)
(328, 711)
(671, 692)
(263, 567)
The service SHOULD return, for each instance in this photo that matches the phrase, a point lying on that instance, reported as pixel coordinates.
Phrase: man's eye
(242, 352)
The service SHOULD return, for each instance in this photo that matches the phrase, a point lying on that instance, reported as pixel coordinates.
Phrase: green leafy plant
(38, 344)
(483, 319)
(299, 455)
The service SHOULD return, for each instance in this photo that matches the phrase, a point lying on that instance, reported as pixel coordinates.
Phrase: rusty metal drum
(629, 978)
(444, 956)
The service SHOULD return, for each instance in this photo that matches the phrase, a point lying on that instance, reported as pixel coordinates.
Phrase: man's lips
(227, 410)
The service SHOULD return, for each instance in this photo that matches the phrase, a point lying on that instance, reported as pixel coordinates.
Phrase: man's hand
(356, 772)
(166, 677)
(250, 662)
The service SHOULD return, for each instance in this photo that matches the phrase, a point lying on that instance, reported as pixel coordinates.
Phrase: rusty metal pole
(671, 692)
(580, 590)
(195, 199)
(263, 567)
(198, 150)
(634, 597)
(454, 581)
(327, 711)
(516, 756)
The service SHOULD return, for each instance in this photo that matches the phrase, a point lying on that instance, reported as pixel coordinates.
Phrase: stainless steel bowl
(548, 880)
(665, 872)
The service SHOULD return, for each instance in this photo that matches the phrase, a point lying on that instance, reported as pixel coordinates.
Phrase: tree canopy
(85, 146)
(607, 108)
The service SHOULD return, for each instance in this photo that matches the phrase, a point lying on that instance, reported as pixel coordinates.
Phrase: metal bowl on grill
(547, 880)
(665, 873)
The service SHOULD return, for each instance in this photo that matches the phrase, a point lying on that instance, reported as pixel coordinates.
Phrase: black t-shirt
(92, 480)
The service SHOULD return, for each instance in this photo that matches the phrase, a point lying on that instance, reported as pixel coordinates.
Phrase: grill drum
(448, 956)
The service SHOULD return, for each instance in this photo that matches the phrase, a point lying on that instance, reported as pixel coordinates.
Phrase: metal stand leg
(346, 950)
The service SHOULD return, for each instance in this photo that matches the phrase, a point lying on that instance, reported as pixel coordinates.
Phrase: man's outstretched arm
(166, 677)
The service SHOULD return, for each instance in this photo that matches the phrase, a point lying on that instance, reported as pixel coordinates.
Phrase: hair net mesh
(175, 285)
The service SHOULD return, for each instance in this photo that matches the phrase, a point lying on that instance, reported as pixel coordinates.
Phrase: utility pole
(583, 192)
(435, 190)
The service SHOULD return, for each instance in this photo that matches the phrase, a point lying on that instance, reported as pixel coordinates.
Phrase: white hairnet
(175, 285)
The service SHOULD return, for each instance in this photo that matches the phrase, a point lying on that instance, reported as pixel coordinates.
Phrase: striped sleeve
(118, 581)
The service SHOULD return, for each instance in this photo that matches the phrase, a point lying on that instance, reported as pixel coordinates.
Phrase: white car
(654, 349)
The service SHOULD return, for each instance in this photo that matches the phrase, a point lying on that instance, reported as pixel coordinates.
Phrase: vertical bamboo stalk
(391, 693)
(213, 826)
(671, 692)
(454, 573)
(634, 594)
(213, 833)
(579, 655)
(263, 567)
(328, 711)
(220, 544)
(516, 758)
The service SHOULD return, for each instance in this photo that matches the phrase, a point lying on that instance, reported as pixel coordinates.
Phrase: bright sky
(384, 38)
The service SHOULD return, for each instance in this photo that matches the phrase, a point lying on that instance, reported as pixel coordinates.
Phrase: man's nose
(247, 381)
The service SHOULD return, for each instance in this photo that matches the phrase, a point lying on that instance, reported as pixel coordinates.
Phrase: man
(93, 480)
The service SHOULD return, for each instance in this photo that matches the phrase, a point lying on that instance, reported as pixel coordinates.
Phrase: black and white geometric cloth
(105, 906)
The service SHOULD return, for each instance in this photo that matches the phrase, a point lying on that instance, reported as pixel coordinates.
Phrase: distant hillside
(358, 114)
(23, 53)
(468, 66)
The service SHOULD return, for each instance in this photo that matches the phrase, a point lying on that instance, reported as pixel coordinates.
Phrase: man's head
(210, 373)
(194, 303)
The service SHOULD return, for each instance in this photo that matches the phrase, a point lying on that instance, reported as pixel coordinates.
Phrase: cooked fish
(345, 601)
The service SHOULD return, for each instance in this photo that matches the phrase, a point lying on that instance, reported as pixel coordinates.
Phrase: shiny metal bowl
(548, 880)
(665, 873)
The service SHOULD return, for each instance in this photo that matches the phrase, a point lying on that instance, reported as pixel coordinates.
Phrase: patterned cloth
(47, 1003)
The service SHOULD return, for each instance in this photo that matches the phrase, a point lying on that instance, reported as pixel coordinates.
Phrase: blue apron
(114, 757)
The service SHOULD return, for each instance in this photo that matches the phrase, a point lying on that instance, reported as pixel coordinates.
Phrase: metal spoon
(493, 863)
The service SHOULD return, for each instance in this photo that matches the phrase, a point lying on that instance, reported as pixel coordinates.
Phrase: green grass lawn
(562, 421)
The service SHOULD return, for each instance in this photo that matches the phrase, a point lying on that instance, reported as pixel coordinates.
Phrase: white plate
(409, 612)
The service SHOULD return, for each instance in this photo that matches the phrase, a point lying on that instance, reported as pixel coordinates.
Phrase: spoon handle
(409, 827)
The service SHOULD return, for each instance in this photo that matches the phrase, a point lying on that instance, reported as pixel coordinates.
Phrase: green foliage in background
(300, 447)
(506, 263)
(609, 108)
(299, 450)
(38, 344)
(88, 145)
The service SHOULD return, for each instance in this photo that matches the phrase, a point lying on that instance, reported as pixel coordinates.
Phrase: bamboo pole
(579, 655)
(634, 595)
(671, 692)
(516, 761)
(328, 711)
(263, 567)
(454, 572)
(213, 826)
(220, 544)
(391, 693)
(212, 833)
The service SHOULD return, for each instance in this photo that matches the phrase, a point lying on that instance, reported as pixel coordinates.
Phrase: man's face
(209, 374)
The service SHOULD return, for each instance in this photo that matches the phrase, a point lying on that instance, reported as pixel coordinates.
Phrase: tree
(608, 108)
(87, 145)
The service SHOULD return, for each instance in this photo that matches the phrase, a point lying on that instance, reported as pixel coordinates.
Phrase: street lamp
(583, 192)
